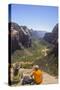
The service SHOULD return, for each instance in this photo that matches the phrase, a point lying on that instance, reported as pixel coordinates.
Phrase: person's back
(17, 73)
(37, 76)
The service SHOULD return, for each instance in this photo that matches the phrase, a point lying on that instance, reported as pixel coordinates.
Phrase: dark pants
(27, 81)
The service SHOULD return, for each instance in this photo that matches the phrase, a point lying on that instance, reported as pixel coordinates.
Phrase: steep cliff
(20, 36)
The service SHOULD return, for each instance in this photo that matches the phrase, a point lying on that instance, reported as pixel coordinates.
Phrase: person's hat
(36, 67)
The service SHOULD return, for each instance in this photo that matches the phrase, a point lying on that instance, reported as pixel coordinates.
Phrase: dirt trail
(48, 79)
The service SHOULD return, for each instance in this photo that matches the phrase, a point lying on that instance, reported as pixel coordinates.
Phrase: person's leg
(32, 81)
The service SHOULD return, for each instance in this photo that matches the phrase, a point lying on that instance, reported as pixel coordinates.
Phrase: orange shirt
(37, 76)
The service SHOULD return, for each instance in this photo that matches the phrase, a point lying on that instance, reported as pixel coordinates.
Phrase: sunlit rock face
(20, 36)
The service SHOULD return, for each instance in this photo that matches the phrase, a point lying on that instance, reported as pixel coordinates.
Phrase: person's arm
(21, 73)
(32, 73)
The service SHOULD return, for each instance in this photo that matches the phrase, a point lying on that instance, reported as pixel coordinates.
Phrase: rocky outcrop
(53, 36)
(20, 36)
(53, 39)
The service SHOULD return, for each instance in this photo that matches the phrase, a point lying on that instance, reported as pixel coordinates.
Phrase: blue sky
(41, 18)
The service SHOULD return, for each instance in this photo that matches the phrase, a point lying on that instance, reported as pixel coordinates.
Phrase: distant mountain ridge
(38, 34)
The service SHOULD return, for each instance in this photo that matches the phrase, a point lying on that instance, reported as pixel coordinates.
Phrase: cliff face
(20, 36)
(53, 38)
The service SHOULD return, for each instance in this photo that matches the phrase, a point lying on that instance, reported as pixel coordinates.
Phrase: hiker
(17, 73)
(36, 75)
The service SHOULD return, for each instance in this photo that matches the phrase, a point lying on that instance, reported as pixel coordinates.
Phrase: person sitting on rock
(17, 73)
(37, 75)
